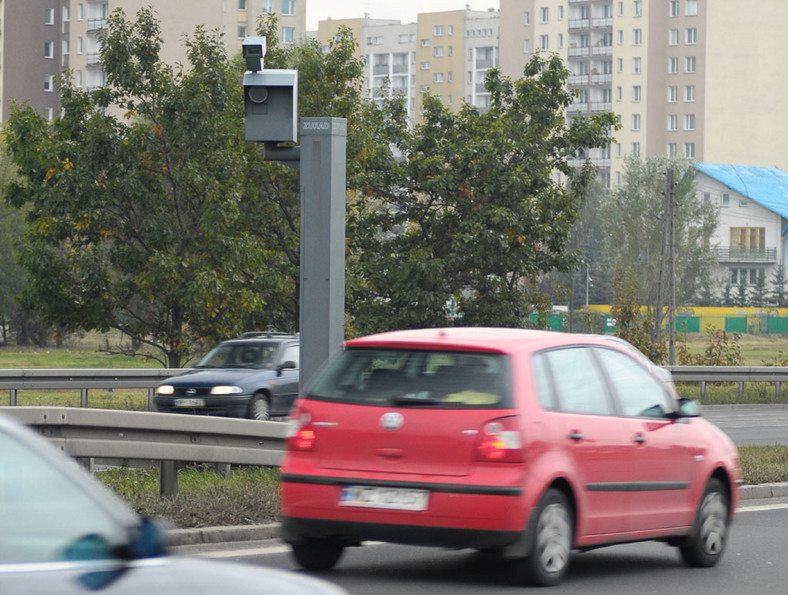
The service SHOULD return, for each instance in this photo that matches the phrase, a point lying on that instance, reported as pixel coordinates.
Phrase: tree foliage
(468, 206)
(633, 218)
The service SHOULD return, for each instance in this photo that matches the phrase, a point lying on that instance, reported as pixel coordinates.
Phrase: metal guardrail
(166, 437)
(740, 374)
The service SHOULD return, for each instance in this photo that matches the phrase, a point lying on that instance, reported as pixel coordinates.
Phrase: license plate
(189, 402)
(381, 497)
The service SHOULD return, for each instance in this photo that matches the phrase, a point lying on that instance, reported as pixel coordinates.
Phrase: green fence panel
(688, 324)
(777, 325)
(555, 322)
(736, 324)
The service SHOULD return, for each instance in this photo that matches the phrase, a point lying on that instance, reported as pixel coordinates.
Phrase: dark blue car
(254, 376)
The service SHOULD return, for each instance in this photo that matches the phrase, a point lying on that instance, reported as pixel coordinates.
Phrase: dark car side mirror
(687, 408)
(288, 365)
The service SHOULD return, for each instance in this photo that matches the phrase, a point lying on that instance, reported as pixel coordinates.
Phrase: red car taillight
(499, 441)
(301, 434)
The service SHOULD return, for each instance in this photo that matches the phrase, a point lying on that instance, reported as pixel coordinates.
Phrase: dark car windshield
(240, 355)
(416, 378)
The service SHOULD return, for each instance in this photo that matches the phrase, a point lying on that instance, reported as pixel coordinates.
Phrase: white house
(752, 232)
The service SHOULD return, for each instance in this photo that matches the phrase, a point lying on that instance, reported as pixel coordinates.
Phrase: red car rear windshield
(418, 378)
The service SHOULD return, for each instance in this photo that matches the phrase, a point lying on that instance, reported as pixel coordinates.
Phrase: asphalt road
(755, 563)
(761, 425)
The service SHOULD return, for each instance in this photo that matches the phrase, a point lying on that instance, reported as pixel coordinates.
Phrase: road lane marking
(763, 507)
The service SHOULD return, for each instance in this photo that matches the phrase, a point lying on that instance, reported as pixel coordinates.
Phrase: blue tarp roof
(767, 186)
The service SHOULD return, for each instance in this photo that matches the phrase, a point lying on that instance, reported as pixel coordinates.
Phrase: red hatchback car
(525, 443)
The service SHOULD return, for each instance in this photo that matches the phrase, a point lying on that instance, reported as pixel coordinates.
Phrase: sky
(402, 10)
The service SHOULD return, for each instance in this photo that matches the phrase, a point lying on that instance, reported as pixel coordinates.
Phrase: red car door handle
(639, 438)
(575, 436)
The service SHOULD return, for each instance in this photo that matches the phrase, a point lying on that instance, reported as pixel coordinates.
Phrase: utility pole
(670, 199)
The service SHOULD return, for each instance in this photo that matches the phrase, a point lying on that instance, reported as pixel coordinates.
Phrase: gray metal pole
(322, 276)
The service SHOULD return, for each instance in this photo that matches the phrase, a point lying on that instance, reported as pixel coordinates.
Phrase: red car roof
(502, 340)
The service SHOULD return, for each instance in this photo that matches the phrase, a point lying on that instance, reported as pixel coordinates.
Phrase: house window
(637, 36)
(707, 197)
(80, 12)
(673, 8)
(560, 13)
(544, 14)
(437, 30)
(66, 47)
(49, 83)
(691, 36)
(66, 14)
(288, 34)
(80, 43)
(689, 150)
(636, 65)
(689, 93)
(241, 4)
(689, 64)
(619, 65)
(49, 49)
(267, 7)
(288, 7)
(426, 43)
(425, 66)
(437, 51)
(544, 42)
(636, 93)
(745, 276)
(621, 9)
(673, 94)
(49, 16)
(689, 121)
(526, 18)
(618, 150)
(526, 46)
(619, 93)
(748, 239)
(673, 37)
(673, 65)
(673, 122)
(560, 40)
(636, 149)
(637, 8)
(635, 121)
(620, 37)
(671, 149)
(437, 77)
(241, 31)
(691, 8)
(726, 200)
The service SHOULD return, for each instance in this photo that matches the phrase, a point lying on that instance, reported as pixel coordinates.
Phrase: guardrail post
(12, 397)
(168, 483)
(777, 390)
(151, 402)
(702, 389)
(83, 398)
(741, 389)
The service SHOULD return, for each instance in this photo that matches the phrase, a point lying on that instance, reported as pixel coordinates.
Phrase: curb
(207, 535)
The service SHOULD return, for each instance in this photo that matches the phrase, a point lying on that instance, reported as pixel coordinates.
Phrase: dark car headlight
(226, 390)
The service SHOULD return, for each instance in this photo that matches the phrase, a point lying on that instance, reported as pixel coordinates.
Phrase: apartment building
(444, 53)
(41, 38)
(686, 77)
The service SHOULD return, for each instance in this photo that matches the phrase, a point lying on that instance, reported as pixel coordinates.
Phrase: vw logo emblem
(191, 391)
(391, 421)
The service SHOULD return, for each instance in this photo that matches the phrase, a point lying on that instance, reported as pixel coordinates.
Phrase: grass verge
(250, 495)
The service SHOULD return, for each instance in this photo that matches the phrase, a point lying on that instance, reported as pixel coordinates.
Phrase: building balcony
(578, 80)
(728, 254)
(93, 59)
(579, 24)
(575, 52)
(380, 69)
(97, 24)
(603, 50)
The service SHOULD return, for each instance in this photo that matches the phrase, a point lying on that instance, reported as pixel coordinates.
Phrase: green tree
(633, 218)
(778, 286)
(634, 325)
(467, 205)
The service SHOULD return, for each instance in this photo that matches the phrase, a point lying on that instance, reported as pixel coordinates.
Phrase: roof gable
(766, 186)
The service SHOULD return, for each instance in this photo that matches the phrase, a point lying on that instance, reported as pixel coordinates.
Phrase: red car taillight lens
(499, 441)
(301, 434)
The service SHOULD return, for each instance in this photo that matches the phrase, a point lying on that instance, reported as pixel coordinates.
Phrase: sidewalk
(179, 537)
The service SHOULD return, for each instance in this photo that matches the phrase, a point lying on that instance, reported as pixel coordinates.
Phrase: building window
(671, 149)
(636, 93)
(267, 7)
(451, 32)
(621, 9)
(241, 31)
(437, 51)
(673, 8)
(635, 150)
(637, 8)
(544, 14)
(691, 8)
(619, 93)
(241, 4)
(437, 77)
(425, 43)
(635, 121)
(425, 66)
(544, 42)
(673, 94)
(745, 276)
(66, 47)
(690, 64)
(66, 14)
(526, 46)
(49, 83)
(80, 12)
(673, 65)
(637, 36)
(689, 93)
(673, 122)
(618, 150)
(619, 65)
(726, 200)
(620, 36)
(560, 13)
(288, 7)
(691, 36)
(49, 49)
(526, 18)
(689, 150)
(673, 37)
(560, 40)
(636, 65)
(49, 16)
(437, 30)
(689, 121)
(288, 34)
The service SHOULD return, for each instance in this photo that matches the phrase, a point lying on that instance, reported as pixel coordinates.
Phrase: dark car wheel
(259, 408)
(551, 542)
(709, 536)
(317, 554)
